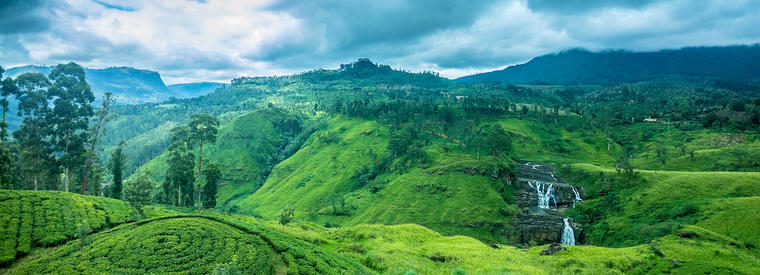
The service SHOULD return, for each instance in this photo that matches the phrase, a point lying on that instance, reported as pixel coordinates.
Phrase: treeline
(55, 147)
(693, 106)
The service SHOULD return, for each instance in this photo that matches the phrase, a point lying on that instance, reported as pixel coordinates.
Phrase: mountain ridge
(575, 66)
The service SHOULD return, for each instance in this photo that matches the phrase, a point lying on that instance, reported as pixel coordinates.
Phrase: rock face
(540, 224)
(553, 248)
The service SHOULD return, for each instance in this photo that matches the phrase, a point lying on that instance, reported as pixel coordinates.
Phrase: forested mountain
(188, 90)
(577, 66)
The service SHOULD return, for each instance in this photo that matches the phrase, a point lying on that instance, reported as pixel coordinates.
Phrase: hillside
(576, 66)
(242, 151)
(188, 90)
(456, 192)
(200, 243)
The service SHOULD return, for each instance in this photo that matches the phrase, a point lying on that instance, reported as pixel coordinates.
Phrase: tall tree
(213, 175)
(116, 166)
(180, 174)
(36, 152)
(71, 96)
(102, 117)
(203, 129)
(8, 88)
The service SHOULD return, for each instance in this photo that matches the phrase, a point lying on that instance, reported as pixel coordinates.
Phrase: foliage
(286, 215)
(47, 218)
(212, 176)
(137, 192)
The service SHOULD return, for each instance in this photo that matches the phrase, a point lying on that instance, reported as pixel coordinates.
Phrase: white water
(577, 196)
(545, 194)
(568, 236)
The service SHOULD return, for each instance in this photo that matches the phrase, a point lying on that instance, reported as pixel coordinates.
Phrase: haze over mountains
(610, 67)
(130, 85)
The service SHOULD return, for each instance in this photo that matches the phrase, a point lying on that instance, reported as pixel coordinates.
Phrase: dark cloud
(23, 16)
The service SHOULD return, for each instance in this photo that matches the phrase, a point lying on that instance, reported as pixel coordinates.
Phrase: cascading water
(568, 236)
(545, 194)
(577, 196)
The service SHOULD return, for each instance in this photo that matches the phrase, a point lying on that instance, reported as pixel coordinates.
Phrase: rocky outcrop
(541, 225)
(553, 248)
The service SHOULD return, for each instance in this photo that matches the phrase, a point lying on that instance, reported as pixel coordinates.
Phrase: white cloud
(218, 40)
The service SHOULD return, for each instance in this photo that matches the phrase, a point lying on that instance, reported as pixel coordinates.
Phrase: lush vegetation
(366, 169)
(50, 218)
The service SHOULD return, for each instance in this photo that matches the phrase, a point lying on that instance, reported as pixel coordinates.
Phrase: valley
(367, 169)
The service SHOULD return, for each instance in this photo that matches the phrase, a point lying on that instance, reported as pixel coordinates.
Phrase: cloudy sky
(217, 40)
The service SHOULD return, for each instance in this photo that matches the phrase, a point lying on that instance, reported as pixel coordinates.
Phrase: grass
(179, 240)
(655, 203)
(569, 141)
(243, 147)
(713, 149)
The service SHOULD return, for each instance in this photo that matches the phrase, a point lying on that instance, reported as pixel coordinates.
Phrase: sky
(217, 40)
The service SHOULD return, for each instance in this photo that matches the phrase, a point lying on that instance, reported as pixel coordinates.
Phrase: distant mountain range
(129, 85)
(741, 63)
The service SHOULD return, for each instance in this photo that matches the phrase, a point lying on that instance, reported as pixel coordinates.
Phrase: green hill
(456, 192)
(243, 150)
(47, 218)
(623, 210)
(194, 244)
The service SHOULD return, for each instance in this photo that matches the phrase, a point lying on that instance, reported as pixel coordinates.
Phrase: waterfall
(577, 196)
(568, 236)
(545, 194)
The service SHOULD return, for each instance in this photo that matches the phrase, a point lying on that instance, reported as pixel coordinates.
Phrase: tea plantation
(49, 218)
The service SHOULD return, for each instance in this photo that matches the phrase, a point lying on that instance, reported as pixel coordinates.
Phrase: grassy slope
(397, 249)
(470, 204)
(242, 149)
(189, 242)
(319, 171)
(568, 141)
(713, 150)
(658, 200)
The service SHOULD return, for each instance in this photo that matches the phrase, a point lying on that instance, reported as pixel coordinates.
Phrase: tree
(36, 151)
(180, 176)
(137, 192)
(202, 128)
(102, 117)
(116, 166)
(213, 175)
(6, 159)
(286, 215)
(500, 142)
(71, 96)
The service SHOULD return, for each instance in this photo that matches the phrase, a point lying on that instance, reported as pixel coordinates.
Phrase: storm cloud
(217, 40)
